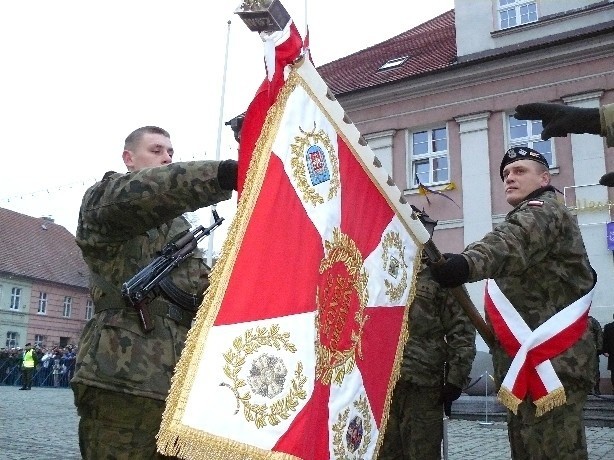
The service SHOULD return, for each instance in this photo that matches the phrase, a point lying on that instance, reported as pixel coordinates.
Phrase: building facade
(436, 104)
(44, 283)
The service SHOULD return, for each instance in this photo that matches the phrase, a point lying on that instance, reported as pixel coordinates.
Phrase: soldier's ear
(127, 156)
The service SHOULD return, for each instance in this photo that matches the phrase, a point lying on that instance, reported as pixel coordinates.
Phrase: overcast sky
(77, 76)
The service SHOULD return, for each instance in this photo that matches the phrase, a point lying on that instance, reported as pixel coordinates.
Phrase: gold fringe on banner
(544, 404)
(396, 371)
(508, 399)
(553, 399)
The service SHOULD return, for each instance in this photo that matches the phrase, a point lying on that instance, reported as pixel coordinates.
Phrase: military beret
(521, 153)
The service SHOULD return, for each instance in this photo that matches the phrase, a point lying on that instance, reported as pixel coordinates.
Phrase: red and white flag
(296, 349)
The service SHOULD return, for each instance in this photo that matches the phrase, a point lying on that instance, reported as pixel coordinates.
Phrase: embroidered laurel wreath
(334, 364)
(392, 240)
(355, 447)
(297, 161)
(267, 377)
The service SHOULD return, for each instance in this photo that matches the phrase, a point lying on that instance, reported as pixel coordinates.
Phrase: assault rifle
(140, 290)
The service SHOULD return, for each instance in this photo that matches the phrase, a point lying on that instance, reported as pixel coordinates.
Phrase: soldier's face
(152, 150)
(521, 178)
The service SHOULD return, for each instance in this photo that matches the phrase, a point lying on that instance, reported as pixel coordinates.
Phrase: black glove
(449, 394)
(559, 120)
(227, 174)
(451, 273)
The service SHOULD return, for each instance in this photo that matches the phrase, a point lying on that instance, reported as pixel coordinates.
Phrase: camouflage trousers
(558, 434)
(415, 424)
(117, 425)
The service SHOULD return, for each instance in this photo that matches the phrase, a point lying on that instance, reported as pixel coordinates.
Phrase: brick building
(44, 294)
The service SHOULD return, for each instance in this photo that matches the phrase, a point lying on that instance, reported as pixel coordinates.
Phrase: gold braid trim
(553, 399)
(507, 398)
(398, 359)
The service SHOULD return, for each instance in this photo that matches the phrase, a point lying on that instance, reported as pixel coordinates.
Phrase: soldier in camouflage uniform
(538, 260)
(123, 374)
(440, 333)
(597, 334)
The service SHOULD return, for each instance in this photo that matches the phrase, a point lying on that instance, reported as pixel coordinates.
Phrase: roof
(429, 47)
(39, 249)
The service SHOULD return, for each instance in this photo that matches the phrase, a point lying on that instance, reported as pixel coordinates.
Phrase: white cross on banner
(296, 348)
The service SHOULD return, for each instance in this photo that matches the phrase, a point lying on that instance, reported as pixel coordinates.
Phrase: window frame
(42, 303)
(67, 307)
(12, 336)
(15, 298)
(39, 340)
(89, 309)
(393, 63)
(532, 140)
(516, 6)
(429, 156)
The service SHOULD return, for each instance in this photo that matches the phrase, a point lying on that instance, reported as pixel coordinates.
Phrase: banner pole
(219, 138)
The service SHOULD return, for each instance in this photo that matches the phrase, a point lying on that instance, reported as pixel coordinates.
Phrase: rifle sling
(113, 300)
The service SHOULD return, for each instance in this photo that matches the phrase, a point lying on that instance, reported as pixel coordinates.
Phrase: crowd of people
(55, 366)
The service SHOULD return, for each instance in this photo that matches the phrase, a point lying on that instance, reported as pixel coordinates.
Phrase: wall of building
(477, 23)
(474, 100)
(28, 323)
(13, 320)
(53, 325)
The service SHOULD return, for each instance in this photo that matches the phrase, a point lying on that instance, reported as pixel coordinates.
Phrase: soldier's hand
(227, 174)
(559, 120)
(453, 272)
(449, 394)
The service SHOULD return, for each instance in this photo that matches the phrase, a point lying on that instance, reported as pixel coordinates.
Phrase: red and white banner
(296, 349)
(531, 372)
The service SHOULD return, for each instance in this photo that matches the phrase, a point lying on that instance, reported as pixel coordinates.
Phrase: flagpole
(306, 23)
(219, 137)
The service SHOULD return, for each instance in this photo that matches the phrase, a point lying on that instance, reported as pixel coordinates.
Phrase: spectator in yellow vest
(28, 364)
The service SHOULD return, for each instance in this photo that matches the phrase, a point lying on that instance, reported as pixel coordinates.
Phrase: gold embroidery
(268, 385)
(357, 432)
(333, 303)
(392, 265)
(299, 166)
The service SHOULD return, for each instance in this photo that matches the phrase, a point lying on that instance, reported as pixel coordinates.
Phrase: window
(39, 340)
(89, 310)
(527, 133)
(42, 303)
(429, 157)
(393, 63)
(67, 306)
(11, 339)
(516, 12)
(15, 298)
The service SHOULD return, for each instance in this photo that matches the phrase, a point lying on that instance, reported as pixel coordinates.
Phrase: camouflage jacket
(607, 123)
(597, 334)
(538, 259)
(439, 332)
(123, 221)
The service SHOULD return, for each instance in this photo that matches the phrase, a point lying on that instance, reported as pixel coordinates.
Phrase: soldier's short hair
(135, 136)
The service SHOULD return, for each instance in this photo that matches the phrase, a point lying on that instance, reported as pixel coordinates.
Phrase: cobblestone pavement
(41, 424)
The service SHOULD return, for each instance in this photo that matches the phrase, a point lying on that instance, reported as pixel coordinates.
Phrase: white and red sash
(531, 371)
